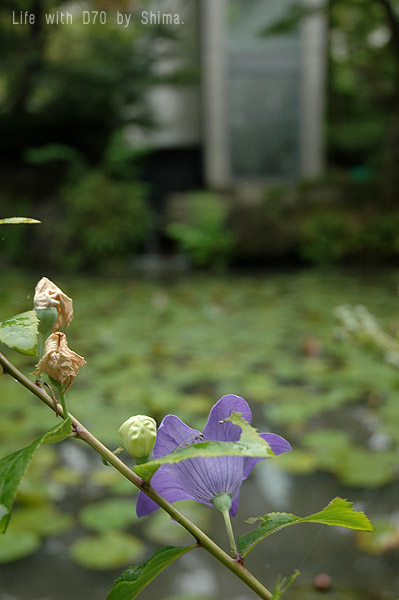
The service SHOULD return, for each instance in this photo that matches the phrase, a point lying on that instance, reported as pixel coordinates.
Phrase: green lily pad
(18, 544)
(160, 528)
(108, 550)
(384, 539)
(390, 414)
(113, 481)
(108, 514)
(67, 477)
(368, 468)
(44, 520)
(330, 447)
(299, 462)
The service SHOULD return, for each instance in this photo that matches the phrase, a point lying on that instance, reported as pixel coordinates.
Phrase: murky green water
(176, 347)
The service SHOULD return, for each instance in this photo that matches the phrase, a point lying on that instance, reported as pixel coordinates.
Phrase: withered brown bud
(48, 294)
(58, 361)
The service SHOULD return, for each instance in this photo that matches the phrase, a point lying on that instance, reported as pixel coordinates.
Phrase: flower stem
(63, 404)
(202, 539)
(230, 533)
(61, 394)
(222, 503)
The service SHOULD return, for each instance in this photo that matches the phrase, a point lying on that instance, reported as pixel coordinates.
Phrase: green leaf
(108, 550)
(20, 332)
(14, 466)
(135, 579)
(44, 520)
(385, 538)
(58, 433)
(249, 444)
(249, 435)
(337, 512)
(18, 544)
(112, 513)
(17, 220)
(160, 529)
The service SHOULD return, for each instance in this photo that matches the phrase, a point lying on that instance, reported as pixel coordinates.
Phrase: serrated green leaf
(135, 579)
(338, 512)
(14, 466)
(17, 220)
(20, 332)
(250, 444)
(249, 435)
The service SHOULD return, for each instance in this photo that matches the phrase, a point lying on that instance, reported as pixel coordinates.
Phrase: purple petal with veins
(202, 479)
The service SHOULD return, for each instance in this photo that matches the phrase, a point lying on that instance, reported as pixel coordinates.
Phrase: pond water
(176, 347)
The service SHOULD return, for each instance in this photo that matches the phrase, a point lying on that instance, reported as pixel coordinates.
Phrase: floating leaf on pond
(18, 544)
(108, 550)
(299, 462)
(160, 528)
(389, 412)
(113, 513)
(44, 520)
(67, 476)
(113, 481)
(384, 539)
(368, 468)
(330, 447)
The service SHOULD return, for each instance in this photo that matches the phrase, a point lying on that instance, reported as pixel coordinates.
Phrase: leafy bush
(106, 220)
(204, 238)
(324, 237)
(335, 235)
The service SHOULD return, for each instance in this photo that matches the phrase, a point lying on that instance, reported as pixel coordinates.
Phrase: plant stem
(203, 540)
(230, 533)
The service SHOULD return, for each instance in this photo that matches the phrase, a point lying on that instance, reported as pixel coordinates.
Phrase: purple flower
(203, 479)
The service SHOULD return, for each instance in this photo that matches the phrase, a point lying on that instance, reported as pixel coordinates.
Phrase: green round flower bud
(139, 434)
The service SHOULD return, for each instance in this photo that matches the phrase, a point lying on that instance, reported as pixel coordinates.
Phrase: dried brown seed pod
(58, 361)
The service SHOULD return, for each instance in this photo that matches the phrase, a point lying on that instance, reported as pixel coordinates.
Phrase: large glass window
(263, 93)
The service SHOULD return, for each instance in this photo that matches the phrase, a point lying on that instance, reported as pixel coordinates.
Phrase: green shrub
(324, 237)
(337, 234)
(106, 220)
(204, 238)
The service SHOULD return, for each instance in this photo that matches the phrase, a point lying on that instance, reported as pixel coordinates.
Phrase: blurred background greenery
(68, 92)
(250, 317)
